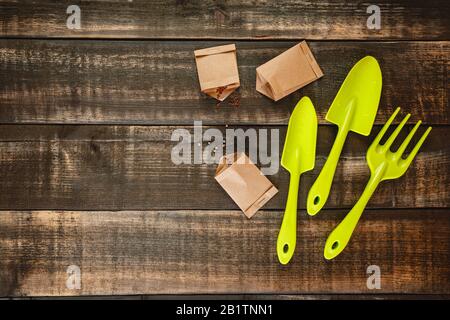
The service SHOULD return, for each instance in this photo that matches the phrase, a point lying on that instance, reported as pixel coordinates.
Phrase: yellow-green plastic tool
(354, 109)
(384, 165)
(298, 156)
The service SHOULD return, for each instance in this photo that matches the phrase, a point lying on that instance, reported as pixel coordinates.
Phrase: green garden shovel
(298, 156)
(354, 109)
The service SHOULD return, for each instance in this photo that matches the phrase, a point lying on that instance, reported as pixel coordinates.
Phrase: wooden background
(86, 178)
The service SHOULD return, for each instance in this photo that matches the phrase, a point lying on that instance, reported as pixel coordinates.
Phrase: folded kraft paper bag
(217, 70)
(244, 183)
(287, 72)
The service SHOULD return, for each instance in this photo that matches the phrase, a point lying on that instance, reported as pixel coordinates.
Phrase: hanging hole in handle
(316, 200)
(335, 245)
(285, 248)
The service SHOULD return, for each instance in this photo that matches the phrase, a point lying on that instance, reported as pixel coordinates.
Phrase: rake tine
(405, 143)
(394, 134)
(385, 127)
(413, 153)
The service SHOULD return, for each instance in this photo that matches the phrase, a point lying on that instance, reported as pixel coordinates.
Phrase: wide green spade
(354, 109)
(298, 156)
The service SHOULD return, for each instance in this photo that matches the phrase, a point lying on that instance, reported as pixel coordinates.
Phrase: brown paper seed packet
(287, 72)
(244, 183)
(217, 70)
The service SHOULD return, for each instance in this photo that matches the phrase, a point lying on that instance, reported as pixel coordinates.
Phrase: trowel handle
(287, 237)
(318, 194)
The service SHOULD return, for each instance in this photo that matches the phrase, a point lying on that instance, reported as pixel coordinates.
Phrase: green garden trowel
(354, 109)
(298, 156)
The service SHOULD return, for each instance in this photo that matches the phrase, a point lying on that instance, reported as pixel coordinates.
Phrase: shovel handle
(287, 237)
(318, 194)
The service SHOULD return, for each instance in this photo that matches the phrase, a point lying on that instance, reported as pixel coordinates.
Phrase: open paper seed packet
(218, 76)
(244, 183)
(287, 72)
(217, 71)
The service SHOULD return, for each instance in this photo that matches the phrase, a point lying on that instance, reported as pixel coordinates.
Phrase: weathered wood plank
(130, 168)
(154, 82)
(218, 252)
(248, 19)
(360, 296)
(247, 297)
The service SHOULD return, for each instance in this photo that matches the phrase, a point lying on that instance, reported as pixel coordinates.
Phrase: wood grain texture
(154, 82)
(130, 168)
(231, 19)
(218, 252)
(247, 297)
(308, 297)
(86, 118)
